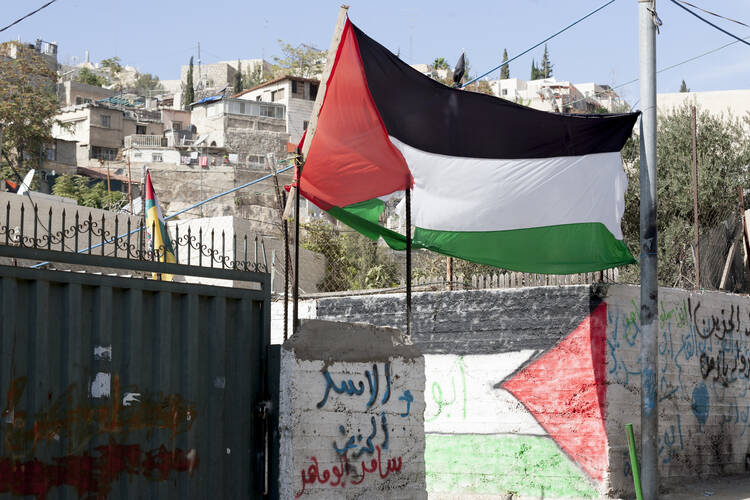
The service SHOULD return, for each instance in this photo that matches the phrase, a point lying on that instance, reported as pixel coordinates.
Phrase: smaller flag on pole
(156, 231)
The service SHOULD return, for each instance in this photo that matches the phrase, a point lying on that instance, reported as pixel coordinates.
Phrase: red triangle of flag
(564, 389)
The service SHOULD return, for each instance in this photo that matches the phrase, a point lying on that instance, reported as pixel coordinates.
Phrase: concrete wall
(528, 390)
(351, 410)
(70, 90)
(716, 102)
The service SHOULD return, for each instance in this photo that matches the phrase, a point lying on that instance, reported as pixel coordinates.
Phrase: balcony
(145, 141)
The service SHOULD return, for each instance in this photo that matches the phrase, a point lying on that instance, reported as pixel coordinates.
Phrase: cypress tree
(684, 87)
(546, 69)
(505, 70)
(238, 77)
(189, 90)
(534, 71)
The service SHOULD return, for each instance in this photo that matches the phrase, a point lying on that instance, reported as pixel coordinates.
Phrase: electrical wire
(28, 15)
(691, 59)
(710, 23)
(538, 44)
(714, 14)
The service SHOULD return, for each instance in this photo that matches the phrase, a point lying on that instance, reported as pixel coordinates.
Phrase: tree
(546, 69)
(253, 78)
(145, 82)
(440, 63)
(85, 75)
(113, 66)
(189, 94)
(238, 77)
(304, 61)
(481, 86)
(684, 87)
(28, 103)
(505, 71)
(535, 72)
(353, 262)
(77, 187)
(724, 153)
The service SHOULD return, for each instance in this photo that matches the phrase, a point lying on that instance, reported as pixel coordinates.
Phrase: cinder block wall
(528, 390)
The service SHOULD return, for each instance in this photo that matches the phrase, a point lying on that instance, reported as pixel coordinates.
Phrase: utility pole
(130, 187)
(695, 204)
(647, 20)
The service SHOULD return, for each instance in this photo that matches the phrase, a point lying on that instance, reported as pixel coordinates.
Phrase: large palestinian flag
(493, 182)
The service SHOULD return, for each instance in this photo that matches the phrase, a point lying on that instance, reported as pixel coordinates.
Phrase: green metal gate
(115, 387)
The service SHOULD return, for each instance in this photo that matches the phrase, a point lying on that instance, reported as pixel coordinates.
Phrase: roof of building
(277, 80)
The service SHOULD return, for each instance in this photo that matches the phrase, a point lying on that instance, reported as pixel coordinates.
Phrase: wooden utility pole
(695, 205)
(745, 238)
(449, 272)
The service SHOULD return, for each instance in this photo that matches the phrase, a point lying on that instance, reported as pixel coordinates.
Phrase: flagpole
(408, 262)
(295, 313)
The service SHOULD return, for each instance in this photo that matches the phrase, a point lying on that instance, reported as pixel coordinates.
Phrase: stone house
(100, 129)
(295, 93)
(73, 93)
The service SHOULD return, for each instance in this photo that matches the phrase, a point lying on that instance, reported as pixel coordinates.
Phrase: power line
(691, 59)
(714, 13)
(538, 44)
(28, 15)
(710, 23)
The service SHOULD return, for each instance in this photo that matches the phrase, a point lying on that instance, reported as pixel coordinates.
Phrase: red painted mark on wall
(565, 391)
(337, 475)
(93, 474)
(85, 420)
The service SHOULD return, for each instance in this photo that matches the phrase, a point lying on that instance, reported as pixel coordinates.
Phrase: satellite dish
(26, 183)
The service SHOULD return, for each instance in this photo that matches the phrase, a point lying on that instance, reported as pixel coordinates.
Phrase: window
(50, 153)
(105, 121)
(313, 91)
(100, 153)
(277, 95)
(137, 154)
(156, 157)
(140, 130)
(305, 124)
(79, 100)
(255, 159)
(505, 91)
(242, 108)
(177, 126)
(294, 86)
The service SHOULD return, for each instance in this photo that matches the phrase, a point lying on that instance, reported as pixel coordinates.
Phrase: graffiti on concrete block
(363, 446)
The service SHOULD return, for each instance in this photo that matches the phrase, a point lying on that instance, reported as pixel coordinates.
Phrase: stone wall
(528, 390)
(351, 412)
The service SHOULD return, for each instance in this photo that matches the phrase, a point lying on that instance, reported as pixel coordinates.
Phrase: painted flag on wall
(156, 231)
(493, 182)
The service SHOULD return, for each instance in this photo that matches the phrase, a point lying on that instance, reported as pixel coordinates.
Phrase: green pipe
(634, 462)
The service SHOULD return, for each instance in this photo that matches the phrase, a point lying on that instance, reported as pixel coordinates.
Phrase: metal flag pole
(408, 262)
(649, 284)
(295, 314)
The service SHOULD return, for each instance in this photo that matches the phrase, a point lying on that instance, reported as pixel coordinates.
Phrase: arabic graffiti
(343, 474)
(363, 446)
(458, 393)
(697, 335)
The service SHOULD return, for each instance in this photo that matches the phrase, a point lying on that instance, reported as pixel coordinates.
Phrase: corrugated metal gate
(115, 387)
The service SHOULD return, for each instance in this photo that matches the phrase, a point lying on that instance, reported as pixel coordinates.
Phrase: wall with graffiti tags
(351, 414)
(703, 378)
(527, 391)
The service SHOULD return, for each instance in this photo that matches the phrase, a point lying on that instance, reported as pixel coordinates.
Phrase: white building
(716, 102)
(295, 93)
(549, 94)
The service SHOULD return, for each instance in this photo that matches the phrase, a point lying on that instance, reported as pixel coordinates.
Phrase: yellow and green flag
(156, 231)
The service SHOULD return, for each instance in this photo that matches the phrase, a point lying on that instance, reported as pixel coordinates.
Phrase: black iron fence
(80, 230)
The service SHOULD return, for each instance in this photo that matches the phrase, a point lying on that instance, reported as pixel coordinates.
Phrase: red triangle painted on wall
(565, 391)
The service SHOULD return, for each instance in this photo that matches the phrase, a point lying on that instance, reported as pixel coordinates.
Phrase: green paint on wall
(530, 466)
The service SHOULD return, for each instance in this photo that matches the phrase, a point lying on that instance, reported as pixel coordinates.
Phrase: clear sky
(158, 36)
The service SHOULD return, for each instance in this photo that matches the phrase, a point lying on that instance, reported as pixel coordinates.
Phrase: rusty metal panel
(128, 388)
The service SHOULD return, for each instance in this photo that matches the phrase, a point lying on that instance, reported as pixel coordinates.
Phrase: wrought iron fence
(126, 237)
